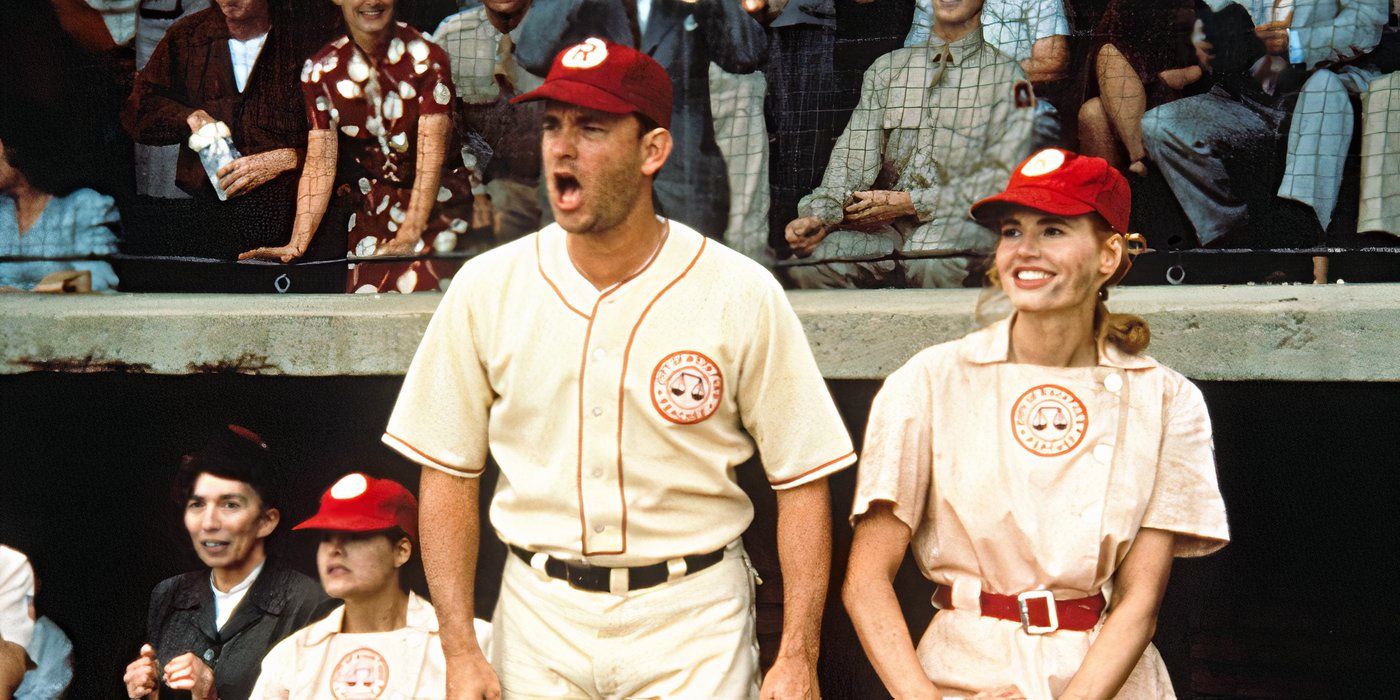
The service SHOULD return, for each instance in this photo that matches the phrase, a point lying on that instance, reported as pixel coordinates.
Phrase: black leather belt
(599, 578)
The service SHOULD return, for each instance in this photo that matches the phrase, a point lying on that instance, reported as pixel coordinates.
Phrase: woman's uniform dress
(1017, 478)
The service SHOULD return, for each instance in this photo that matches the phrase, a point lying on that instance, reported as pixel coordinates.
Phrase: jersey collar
(992, 345)
(420, 617)
(677, 253)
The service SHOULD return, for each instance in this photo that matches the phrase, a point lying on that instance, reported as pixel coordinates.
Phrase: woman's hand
(189, 672)
(804, 234)
(141, 674)
(250, 172)
(400, 245)
(197, 119)
(283, 254)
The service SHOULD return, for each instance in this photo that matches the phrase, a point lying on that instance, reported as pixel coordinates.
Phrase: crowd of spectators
(838, 142)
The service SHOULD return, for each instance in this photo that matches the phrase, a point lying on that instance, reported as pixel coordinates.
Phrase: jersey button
(598, 528)
(1113, 382)
(597, 473)
(1103, 452)
(597, 411)
(599, 354)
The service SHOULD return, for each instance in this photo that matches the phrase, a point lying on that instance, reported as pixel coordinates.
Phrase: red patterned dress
(375, 102)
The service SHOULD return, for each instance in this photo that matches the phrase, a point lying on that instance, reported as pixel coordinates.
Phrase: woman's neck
(29, 204)
(226, 577)
(382, 611)
(372, 44)
(1063, 338)
(248, 27)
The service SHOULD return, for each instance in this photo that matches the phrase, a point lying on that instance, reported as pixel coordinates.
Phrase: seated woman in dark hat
(207, 632)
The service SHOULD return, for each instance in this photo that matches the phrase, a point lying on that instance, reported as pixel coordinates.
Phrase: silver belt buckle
(1049, 599)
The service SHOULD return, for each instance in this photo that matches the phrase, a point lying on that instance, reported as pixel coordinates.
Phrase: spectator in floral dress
(388, 91)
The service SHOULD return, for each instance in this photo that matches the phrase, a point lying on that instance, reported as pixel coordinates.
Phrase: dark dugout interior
(1299, 605)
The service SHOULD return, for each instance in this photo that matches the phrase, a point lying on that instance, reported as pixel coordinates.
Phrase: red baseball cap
(598, 74)
(358, 503)
(1067, 184)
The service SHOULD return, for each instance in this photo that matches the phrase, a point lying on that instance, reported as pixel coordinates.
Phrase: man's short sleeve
(897, 459)
(1049, 20)
(16, 593)
(783, 400)
(440, 418)
(1186, 495)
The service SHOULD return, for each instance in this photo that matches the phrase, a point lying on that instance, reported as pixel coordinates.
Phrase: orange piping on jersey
(626, 355)
(583, 366)
(539, 265)
(578, 470)
(789, 480)
(433, 459)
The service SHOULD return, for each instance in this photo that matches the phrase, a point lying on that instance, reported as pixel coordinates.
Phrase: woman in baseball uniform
(383, 642)
(1043, 470)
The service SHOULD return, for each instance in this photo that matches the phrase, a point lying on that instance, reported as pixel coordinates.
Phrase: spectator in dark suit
(684, 37)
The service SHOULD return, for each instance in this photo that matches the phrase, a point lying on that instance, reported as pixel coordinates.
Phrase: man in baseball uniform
(618, 367)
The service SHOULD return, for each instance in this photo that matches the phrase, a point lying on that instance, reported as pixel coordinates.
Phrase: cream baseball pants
(692, 637)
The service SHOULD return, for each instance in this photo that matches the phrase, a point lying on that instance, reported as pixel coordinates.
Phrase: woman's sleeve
(318, 98)
(1186, 496)
(438, 90)
(97, 236)
(155, 114)
(897, 458)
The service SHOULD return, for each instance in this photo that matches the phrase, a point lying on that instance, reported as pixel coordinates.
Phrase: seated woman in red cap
(379, 100)
(383, 642)
(1043, 470)
(207, 630)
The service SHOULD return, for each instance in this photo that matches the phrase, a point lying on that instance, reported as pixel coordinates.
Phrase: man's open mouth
(568, 193)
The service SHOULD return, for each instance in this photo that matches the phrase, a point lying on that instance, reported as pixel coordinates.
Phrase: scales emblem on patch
(363, 674)
(686, 387)
(1049, 420)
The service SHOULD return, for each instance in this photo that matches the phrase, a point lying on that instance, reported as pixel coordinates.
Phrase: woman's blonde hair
(1128, 331)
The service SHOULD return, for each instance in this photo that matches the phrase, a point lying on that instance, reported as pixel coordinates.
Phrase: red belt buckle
(1046, 599)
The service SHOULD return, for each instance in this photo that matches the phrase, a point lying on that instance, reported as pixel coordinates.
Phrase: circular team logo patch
(591, 53)
(686, 387)
(363, 674)
(1049, 420)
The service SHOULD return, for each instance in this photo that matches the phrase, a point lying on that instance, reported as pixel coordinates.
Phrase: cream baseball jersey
(618, 416)
(320, 662)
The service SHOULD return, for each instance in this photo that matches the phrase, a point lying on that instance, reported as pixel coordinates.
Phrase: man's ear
(656, 148)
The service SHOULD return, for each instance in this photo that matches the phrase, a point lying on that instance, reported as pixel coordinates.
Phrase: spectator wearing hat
(684, 36)
(938, 127)
(384, 638)
(1043, 471)
(207, 631)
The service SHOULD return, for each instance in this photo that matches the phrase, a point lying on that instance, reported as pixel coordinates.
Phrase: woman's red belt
(1037, 611)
